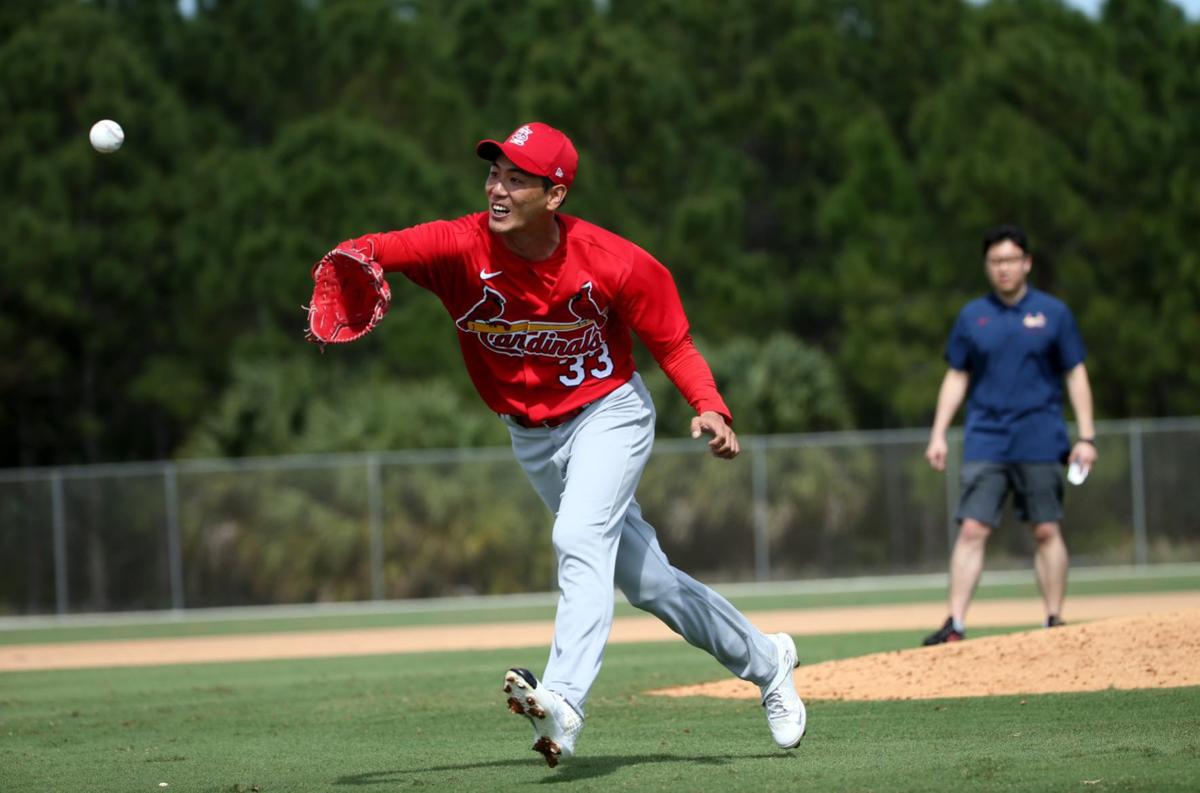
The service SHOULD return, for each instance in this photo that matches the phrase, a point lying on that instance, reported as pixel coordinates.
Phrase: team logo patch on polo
(1037, 320)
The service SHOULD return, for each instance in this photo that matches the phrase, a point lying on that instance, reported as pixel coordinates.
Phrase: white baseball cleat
(785, 711)
(556, 725)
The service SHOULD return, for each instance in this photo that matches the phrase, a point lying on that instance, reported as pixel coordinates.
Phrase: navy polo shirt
(1016, 357)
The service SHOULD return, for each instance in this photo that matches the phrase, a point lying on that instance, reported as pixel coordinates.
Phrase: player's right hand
(935, 453)
(724, 443)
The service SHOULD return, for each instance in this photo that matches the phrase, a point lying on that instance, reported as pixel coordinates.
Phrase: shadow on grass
(569, 771)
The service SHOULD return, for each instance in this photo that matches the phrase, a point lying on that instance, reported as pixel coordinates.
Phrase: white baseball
(106, 136)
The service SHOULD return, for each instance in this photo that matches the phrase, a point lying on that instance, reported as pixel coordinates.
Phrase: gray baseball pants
(587, 471)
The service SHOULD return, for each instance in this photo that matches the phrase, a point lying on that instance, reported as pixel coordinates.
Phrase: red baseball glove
(350, 296)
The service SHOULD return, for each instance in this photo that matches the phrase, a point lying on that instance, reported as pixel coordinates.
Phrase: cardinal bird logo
(580, 336)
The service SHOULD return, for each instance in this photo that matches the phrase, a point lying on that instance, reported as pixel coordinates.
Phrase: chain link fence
(388, 525)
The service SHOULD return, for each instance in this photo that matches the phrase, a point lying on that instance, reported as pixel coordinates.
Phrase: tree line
(815, 173)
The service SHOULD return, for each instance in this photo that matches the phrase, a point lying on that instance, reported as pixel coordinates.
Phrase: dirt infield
(1126, 641)
(1149, 651)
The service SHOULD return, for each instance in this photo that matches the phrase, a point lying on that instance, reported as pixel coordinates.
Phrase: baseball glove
(350, 296)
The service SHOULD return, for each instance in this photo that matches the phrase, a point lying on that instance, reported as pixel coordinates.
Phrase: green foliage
(89, 235)
(442, 538)
(313, 404)
(776, 384)
(781, 384)
(815, 171)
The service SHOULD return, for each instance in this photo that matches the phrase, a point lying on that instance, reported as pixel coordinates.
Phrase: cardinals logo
(518, 337)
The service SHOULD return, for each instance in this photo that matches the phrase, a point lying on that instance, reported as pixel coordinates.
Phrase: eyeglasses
(1001, 261)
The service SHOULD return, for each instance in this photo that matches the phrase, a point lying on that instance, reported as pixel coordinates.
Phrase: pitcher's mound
(1155, 651)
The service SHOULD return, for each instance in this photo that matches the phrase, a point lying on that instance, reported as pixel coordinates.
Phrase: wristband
(1088, 441)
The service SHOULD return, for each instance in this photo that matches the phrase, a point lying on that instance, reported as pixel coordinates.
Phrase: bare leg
(966, 566)
(1050, 563)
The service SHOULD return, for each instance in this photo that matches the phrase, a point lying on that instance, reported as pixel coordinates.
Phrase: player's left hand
(724, 443)
(350, 296)
(1084, 454)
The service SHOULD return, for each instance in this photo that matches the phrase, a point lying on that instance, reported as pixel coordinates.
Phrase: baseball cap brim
(491, 149)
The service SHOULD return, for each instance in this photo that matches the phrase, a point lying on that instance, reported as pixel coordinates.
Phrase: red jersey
(541, 339)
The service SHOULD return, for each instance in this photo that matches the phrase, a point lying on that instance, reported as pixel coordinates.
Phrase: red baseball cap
(538, 149)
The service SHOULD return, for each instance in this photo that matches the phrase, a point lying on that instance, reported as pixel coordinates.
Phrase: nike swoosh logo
(485, 275)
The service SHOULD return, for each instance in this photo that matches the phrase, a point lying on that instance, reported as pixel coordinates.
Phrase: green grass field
(437, 721)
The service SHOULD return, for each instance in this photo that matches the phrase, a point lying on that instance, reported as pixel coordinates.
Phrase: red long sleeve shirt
(540, 339)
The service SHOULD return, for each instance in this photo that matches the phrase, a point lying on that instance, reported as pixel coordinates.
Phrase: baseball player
(544, 304)
(1010, 353)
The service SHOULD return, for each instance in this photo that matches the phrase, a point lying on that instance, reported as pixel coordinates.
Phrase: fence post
(894, 501)
(59, 525)
(951, 495)
(1137, 493)
(375, 525)
(762, 536)
(174, 546)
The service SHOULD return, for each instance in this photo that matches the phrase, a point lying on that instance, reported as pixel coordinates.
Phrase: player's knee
(570, 540)
(657, 604)
(972, 531)
(646, 595)
(1046, 532)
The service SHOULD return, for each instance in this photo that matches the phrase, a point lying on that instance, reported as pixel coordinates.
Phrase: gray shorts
(1037, 490)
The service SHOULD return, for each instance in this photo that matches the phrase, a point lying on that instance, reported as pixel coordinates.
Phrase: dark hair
(1005, 231)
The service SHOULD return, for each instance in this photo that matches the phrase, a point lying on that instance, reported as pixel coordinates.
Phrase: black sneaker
(1054, 621)
(944, 634)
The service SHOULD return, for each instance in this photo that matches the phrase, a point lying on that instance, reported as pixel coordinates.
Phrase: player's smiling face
(517, 200)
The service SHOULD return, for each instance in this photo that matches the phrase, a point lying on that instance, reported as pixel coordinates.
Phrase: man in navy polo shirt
(1009, 354)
